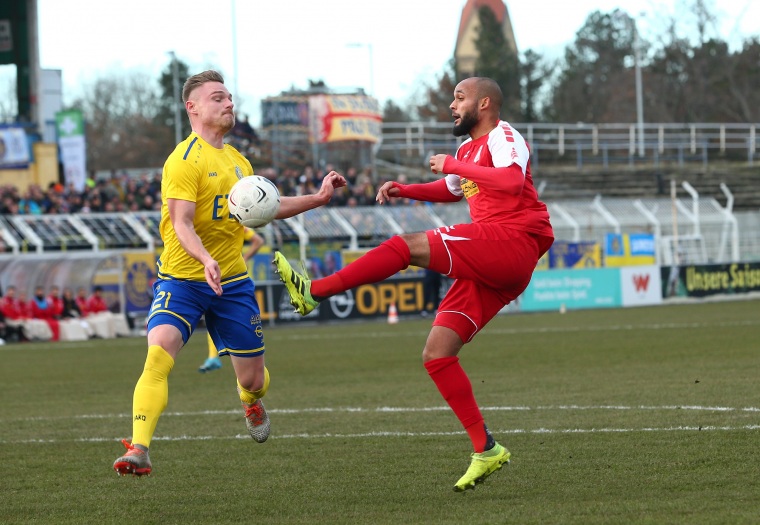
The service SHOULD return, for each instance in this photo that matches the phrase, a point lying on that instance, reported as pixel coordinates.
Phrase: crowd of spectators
(49, 316)
(360, 191)
(122, 192)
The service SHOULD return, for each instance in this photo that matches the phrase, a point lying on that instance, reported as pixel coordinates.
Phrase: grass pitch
(646, 415)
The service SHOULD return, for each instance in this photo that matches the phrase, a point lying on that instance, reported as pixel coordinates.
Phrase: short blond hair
(198, 80)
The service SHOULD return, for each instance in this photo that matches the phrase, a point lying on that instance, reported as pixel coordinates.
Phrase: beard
(466, 123)
(227, 122)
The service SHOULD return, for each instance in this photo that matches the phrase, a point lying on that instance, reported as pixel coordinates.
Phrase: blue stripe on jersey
(167, 277)
(192, 142)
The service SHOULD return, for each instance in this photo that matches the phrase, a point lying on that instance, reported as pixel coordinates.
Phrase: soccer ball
(254, 201)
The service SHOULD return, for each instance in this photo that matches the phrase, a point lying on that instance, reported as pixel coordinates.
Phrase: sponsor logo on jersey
(469, 188)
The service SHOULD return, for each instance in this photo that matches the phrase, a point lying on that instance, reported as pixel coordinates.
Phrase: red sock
(455, 387)
(376, 265)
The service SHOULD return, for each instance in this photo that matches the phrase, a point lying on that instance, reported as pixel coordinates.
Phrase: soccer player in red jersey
(10, 307)
(55, 301)
(96, 303)
(491, 259)
(81, 300)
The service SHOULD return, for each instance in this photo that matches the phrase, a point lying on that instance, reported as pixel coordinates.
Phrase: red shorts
(491, 264)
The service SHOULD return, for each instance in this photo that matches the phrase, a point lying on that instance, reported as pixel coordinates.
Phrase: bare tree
(8, 98)
(120, 113)
(594, 84)
(700, 79)
(536, 74)
(437, 97)
(497, 60)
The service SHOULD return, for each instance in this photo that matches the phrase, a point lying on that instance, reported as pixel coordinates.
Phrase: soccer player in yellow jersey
(201, 270)
(213, 362)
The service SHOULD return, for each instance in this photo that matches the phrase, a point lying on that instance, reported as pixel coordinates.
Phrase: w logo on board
(641, 282)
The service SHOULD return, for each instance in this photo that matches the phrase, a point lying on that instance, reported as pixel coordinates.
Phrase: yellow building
(42, 171)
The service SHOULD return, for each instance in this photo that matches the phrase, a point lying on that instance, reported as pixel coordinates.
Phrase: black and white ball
(254, 201)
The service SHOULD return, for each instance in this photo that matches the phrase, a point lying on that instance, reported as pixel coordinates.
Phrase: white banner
(71, 142)
(14, 148)
(641, 285)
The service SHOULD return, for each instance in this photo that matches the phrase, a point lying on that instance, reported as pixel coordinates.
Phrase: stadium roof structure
(699, 228)
(72, 232)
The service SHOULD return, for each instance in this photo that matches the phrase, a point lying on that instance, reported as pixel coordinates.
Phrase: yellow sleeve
(181, 179)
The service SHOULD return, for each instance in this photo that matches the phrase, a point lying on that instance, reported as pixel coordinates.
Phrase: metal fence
(596, 144)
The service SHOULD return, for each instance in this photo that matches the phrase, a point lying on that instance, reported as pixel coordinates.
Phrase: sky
(389, 48)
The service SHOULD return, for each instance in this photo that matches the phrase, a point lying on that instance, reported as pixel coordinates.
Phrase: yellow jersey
(200, 173)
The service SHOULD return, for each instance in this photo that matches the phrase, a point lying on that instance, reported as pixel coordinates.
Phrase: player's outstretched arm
(509, 179)
(436, 191)
(386, 191)
(290, 206)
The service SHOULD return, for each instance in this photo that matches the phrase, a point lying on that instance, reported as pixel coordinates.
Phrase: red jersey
(82, 304)
(25, 309)
(41, 309)
(493, 173)
(10, 308)
(56, 305)
(96, 305)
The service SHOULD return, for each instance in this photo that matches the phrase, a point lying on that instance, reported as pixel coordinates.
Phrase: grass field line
(400, 410)
(292, 336)
(359, 435)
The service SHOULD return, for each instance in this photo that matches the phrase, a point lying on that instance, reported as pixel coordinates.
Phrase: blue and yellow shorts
(233, 319)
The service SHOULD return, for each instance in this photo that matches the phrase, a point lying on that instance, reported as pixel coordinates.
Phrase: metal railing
(583, 143)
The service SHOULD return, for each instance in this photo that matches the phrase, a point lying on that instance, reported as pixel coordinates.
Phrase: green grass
(646, 415)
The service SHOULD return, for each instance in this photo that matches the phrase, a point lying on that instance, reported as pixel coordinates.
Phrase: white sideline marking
(400, 434)
(292, 336)
(401, 410)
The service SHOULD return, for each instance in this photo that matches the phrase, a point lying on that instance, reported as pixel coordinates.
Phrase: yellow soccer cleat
(481, 466)
(298, 286)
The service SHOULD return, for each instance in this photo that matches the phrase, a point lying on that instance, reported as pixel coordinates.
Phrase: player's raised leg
(298, 285)
(376, 265)
(243, 341)
(252, 385)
